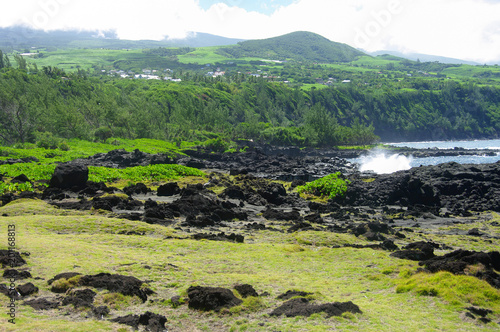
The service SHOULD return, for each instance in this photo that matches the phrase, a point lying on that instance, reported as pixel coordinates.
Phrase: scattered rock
(80, 298)
(27, 289)
(169, 189)
(417, 251)
(292, 293)
(220, 237)
(458, 261)
(176, 301)
(246, 290)
(11, 258)
(300, 226)
(64, 275)
(20, 179)
(302, 307)
(139, 188)
(125, 285)
(15, 274)
(42, 303)
(100, 312)
(272, 214)
(479, 311)
(211, 298)
(152, 321)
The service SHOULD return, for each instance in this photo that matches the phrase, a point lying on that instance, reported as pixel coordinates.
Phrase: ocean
(384, 162)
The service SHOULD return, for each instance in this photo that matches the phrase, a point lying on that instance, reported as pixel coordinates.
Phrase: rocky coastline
(254, 191)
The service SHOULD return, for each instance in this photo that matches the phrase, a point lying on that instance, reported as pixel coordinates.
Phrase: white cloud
(468, 29)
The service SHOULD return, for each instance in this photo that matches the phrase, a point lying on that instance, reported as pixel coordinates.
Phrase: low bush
(330, 186)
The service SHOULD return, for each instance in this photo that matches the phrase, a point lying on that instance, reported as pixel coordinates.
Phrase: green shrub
(15, 187)
(217, 144)
(46, 140)
(64, 146)
(329, 186)
(103, 133)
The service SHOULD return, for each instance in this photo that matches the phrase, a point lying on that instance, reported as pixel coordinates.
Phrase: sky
(463, 29)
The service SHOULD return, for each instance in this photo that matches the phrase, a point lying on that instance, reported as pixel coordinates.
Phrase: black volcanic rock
(27, 289)
(246, 290)
(302, 307)
(15, 274)
(125, 285)
(211, 298)
(42, 304)
(67, 176)
(458, 188)
(80, 298)
(169, 189)
(11, 258)
(153, 322)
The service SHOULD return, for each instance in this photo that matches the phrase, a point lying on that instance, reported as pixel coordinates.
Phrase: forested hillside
(72, 105)
(301, 45)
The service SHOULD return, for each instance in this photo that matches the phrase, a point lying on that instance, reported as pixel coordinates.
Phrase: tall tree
(21, 62)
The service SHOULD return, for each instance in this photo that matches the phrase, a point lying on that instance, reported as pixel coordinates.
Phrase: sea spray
(381, 163)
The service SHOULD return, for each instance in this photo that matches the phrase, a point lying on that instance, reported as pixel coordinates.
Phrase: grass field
(66, 241)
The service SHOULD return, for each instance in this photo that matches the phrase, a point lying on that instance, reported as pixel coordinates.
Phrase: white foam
(381, 163)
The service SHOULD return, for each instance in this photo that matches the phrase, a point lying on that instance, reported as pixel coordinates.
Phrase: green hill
(301, 46)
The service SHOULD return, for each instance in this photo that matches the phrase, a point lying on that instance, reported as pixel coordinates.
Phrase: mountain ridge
(19, 37)
(299, 45)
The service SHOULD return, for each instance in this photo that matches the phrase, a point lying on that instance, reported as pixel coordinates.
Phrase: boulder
(211, 298)
(68, 176)
(27, 289)
(246, 290)
(169, 189)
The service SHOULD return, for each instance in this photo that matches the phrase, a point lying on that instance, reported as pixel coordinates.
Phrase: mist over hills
(18, 38)
(425, 57)
(300, 45)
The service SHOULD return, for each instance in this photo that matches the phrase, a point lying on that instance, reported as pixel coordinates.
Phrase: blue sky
(261, 6)
(463, 29)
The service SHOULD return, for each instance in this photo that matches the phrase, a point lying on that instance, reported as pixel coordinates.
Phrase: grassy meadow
(391, 295)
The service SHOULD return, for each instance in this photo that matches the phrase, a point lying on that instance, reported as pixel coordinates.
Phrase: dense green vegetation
(228, 93)
(74, 105)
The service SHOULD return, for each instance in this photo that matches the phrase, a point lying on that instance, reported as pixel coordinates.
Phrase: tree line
(73, 105)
